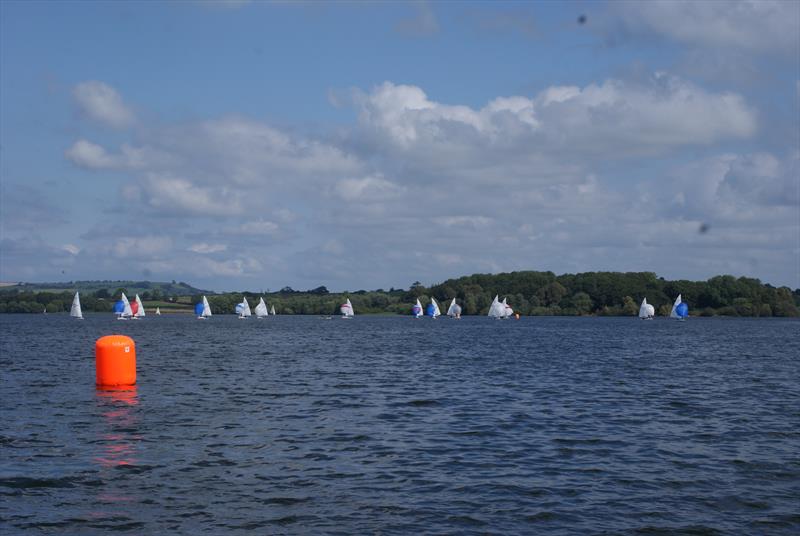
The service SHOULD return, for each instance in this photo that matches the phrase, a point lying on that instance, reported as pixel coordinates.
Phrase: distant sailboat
(507, 311)
(158, 311)
(202, 309)
(126, 312)
(679, 309)
(417, 310)
(139, 312)
(261, 309)
(496, 309)
(433, 309)
(243, 309)
(646, 311)
(75, 311)
(454, 311)
(272, 311)
(347, 309)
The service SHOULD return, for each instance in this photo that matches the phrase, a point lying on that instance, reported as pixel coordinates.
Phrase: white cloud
(256, 228)
(170, 194)
(101, 102)
(204, 248)
(758, 25)
(373, 188)
(612, 118)
(72, 249)
(86, 154)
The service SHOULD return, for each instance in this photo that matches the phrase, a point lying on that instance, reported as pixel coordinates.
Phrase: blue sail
(198, 308)
(682, 310)
(416, 310)
(430, 309)
(119, 307)
(239, 308)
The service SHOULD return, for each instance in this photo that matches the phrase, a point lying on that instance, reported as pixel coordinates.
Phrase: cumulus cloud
(169, 193)
(562, 179)
(100, 102)
(756, 25)
(612, 116)
(88, 155)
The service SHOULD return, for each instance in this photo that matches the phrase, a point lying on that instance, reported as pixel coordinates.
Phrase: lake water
(301, 425)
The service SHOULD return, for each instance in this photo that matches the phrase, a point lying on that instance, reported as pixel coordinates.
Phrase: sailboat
(679, 309)
(507, 311)
(158, 311)
(433, 309)
(202, 309)
(347, 309)
(496, 309)
(243, 308)
(454, 311)
(261, 309)
(126, 312)
(272, 311)
(646, 311)
(417, 310)
(75, 311)
(139, 312)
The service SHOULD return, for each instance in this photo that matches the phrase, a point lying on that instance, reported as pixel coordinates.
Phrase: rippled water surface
(303, 425)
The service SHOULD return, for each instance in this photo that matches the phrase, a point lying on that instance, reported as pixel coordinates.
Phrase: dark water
(301, 425)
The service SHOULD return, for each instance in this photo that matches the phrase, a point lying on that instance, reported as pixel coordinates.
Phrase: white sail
(419, 309)
(244, 308)
(272, 311)
(643, 310)
(506, 311)
(454, 311)
(347, 309)
(126, 312)
(139, 308)
(451, 310)
(436, 311)
(261, 309)
(206, 309)
(494, 308)
(672, 313)
(158, 311)
(75, 311)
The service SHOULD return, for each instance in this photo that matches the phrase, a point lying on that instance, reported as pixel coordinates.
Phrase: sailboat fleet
(125, 310)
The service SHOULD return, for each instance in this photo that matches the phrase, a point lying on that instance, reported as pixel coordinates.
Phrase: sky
(360, 145)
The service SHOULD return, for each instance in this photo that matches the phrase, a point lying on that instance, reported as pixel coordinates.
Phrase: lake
(390, 425)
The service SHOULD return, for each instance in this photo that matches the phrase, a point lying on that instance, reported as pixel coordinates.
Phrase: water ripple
(296, 425)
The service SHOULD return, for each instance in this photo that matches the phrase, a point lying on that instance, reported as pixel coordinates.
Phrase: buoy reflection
(119, 438)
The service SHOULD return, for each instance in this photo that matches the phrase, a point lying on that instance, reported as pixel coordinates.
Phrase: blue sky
(253, 145)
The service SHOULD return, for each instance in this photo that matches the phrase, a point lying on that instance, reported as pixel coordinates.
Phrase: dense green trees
(529, 293)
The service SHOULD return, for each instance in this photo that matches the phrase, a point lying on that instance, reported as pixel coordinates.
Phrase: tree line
(528, 292)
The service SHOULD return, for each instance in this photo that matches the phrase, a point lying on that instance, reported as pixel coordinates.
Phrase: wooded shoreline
(530, 293)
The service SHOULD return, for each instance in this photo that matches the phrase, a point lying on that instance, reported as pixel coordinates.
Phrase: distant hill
(131, 287)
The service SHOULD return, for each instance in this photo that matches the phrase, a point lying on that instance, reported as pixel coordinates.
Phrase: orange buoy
(115, 361)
